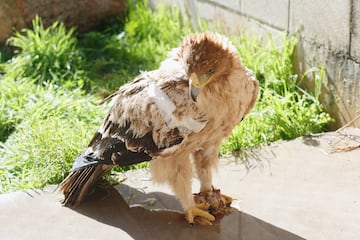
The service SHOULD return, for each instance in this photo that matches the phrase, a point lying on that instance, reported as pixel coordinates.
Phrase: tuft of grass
(51, 128)
(46, 55)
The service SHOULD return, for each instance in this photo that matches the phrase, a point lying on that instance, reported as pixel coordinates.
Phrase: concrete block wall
(329, 36)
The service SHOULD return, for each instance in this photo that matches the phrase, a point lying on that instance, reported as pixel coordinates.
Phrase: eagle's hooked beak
(196, 84)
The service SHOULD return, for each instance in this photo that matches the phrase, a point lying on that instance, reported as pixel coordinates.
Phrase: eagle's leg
(206, 160)
(178, 173)
(181, 185)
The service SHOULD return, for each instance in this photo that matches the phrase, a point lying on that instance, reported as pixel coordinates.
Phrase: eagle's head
(207, 58)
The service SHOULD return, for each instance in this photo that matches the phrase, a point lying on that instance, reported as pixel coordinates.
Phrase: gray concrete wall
(329, 36)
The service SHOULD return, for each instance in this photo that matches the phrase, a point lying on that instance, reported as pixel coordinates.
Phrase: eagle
(175, 118)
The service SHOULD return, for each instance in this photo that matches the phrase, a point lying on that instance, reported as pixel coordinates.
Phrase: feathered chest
(226, 101)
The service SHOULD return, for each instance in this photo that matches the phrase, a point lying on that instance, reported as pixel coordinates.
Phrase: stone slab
(107, 215)
(288, 190)
(300, 186)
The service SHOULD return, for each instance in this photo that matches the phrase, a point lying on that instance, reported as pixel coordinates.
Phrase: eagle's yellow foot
(199, 210)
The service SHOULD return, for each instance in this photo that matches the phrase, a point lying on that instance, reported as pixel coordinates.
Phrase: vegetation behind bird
(48, 115)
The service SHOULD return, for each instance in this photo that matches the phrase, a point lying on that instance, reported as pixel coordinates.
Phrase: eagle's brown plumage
(185, 108)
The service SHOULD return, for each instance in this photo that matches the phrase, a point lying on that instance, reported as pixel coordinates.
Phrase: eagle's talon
(199, 210)
(228, 199)
(203, 206)
(202, 221)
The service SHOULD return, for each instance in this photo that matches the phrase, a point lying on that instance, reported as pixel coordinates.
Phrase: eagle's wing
(152, 113)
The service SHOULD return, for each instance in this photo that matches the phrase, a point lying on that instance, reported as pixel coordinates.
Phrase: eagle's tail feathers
(77, 185)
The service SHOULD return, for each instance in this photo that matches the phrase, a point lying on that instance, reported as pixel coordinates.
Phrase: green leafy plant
(47, 55)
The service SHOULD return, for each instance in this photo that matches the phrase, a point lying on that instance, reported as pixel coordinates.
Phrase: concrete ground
(288, 190)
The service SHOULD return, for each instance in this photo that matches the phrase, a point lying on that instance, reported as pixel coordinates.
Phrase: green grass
(283, 110)
(50, 88)
(46, 55)
(50, 128)
(119, 52)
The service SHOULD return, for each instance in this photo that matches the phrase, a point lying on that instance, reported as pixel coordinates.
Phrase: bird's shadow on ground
(156, 216)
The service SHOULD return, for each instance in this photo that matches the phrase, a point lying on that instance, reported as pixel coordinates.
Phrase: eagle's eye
(211, 70)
